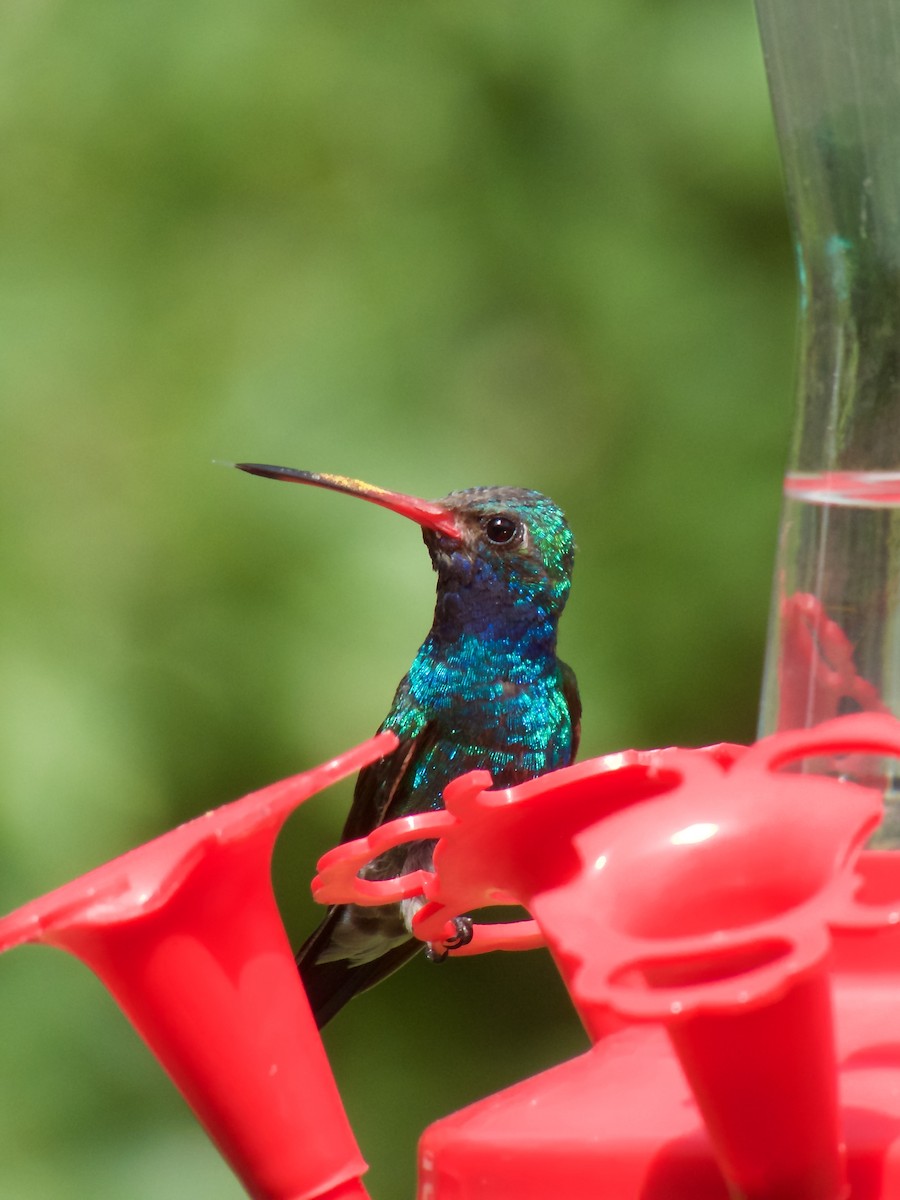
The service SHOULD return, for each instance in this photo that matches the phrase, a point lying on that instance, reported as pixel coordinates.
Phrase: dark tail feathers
(330, 985)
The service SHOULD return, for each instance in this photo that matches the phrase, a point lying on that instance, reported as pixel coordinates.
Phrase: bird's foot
(464, 933)
(462, 937)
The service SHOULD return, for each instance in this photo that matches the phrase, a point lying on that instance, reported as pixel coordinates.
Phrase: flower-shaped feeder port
(696, 889)
(185, 933)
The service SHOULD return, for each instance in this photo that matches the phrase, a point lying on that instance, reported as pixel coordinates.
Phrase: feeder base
(620, 1121)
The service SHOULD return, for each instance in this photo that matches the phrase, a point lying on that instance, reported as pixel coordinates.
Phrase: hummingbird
(485, 691)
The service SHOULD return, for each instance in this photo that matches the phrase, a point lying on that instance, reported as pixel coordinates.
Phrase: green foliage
(432, 245)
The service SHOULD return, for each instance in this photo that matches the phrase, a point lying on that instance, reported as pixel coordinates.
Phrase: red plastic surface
(817, 667)
(621, 1121)
(185, 933)
(709, 903)
(698, 889)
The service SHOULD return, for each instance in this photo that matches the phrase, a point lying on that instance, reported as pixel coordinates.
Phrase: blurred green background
(428, 244)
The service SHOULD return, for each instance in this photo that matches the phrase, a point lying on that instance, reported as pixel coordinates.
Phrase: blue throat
(475, 601)
(502, 631)
(485, 634)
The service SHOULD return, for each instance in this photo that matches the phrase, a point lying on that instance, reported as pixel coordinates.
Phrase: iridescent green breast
(512, 720)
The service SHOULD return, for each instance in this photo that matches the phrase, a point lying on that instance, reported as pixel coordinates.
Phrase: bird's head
(507, 539)
(494, 541)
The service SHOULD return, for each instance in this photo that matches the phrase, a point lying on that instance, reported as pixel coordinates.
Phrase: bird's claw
(464, 933)
(462, 937)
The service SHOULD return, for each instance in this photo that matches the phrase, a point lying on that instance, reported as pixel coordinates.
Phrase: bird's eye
(500, 530)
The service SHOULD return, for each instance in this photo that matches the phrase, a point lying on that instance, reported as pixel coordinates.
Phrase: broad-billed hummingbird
(485, 691)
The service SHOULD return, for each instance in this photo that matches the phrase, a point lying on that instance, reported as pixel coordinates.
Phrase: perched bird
(485, 691)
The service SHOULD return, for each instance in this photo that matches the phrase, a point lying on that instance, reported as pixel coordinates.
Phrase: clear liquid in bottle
(835, 643)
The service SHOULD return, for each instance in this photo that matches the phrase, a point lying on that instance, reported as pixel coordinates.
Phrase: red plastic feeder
(185, 933)
(710, 903)
(702, 891)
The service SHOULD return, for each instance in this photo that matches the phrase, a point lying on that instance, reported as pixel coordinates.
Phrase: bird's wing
(331, 983)
(382, 785)
(573, 700)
